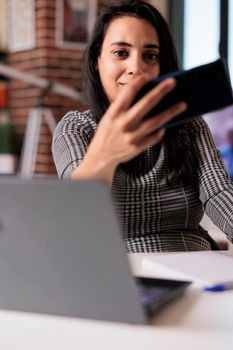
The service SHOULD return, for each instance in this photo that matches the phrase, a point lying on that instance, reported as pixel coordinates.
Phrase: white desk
(197, 321)
(197, 310)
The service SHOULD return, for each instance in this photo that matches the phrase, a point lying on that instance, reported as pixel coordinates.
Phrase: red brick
(51, 62)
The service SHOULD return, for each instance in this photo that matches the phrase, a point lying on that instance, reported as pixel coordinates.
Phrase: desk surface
(197, 310)
(197, 321)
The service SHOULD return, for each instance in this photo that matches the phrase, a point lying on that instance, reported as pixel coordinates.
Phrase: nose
(135, 66)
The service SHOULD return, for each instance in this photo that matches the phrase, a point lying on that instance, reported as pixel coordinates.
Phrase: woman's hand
(123, 133)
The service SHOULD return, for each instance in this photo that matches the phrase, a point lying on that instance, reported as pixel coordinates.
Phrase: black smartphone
(205, 88)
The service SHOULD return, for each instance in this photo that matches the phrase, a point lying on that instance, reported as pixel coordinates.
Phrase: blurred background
(46, 39)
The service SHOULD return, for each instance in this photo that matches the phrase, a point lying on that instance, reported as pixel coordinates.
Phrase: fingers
(125, 123)
(158, 121)
(136, 148)
(151, 140)
(151, 99)
(127, 95)
(152, 126)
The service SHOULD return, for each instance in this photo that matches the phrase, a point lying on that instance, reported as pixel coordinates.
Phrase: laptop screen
(61, 252)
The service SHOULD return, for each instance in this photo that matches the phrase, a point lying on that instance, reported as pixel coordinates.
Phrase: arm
(122, 133)
(215, 186)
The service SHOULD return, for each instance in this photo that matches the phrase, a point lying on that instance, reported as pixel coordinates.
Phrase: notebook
(205, 268)
(61, 253)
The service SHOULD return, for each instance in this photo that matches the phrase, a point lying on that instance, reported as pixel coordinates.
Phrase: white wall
(3, 24)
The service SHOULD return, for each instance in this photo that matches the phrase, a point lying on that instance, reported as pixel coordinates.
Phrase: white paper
(205, 267)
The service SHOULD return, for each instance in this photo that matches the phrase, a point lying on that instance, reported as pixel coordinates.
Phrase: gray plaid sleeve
(215, 185)
(70, 142)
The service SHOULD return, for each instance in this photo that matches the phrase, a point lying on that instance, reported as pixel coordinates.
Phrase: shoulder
(76, 118)
(199, 130)
(76, 122)
(197, 125)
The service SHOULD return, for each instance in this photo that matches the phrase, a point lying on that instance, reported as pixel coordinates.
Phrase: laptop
(61, 253)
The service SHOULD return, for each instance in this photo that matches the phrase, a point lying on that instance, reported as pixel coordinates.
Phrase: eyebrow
(123, 43)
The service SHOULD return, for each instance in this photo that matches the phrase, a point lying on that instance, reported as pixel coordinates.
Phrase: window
(201, 32)
(205, 26)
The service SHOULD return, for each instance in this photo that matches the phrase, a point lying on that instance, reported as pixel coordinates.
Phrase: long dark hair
(180, 159)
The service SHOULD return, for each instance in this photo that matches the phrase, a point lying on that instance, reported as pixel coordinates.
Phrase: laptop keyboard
(148, 295)
(154, 293)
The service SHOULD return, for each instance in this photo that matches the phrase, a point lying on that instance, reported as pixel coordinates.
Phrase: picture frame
(74, 22)
(22, 31)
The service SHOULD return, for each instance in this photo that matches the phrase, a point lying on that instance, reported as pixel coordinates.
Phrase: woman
(161, 182)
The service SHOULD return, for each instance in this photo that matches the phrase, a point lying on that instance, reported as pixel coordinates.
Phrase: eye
(120, 53)
(151, 56)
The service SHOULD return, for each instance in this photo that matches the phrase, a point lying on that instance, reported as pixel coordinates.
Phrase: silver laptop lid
(61, 252)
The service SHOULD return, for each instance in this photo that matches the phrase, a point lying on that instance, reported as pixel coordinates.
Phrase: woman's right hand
(123, 133)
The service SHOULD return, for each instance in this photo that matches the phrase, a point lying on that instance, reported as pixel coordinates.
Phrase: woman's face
(130, 47)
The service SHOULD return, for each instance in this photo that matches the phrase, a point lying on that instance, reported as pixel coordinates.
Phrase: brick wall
(49, 61)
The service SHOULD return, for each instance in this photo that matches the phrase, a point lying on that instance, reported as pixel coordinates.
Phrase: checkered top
(153, 216)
